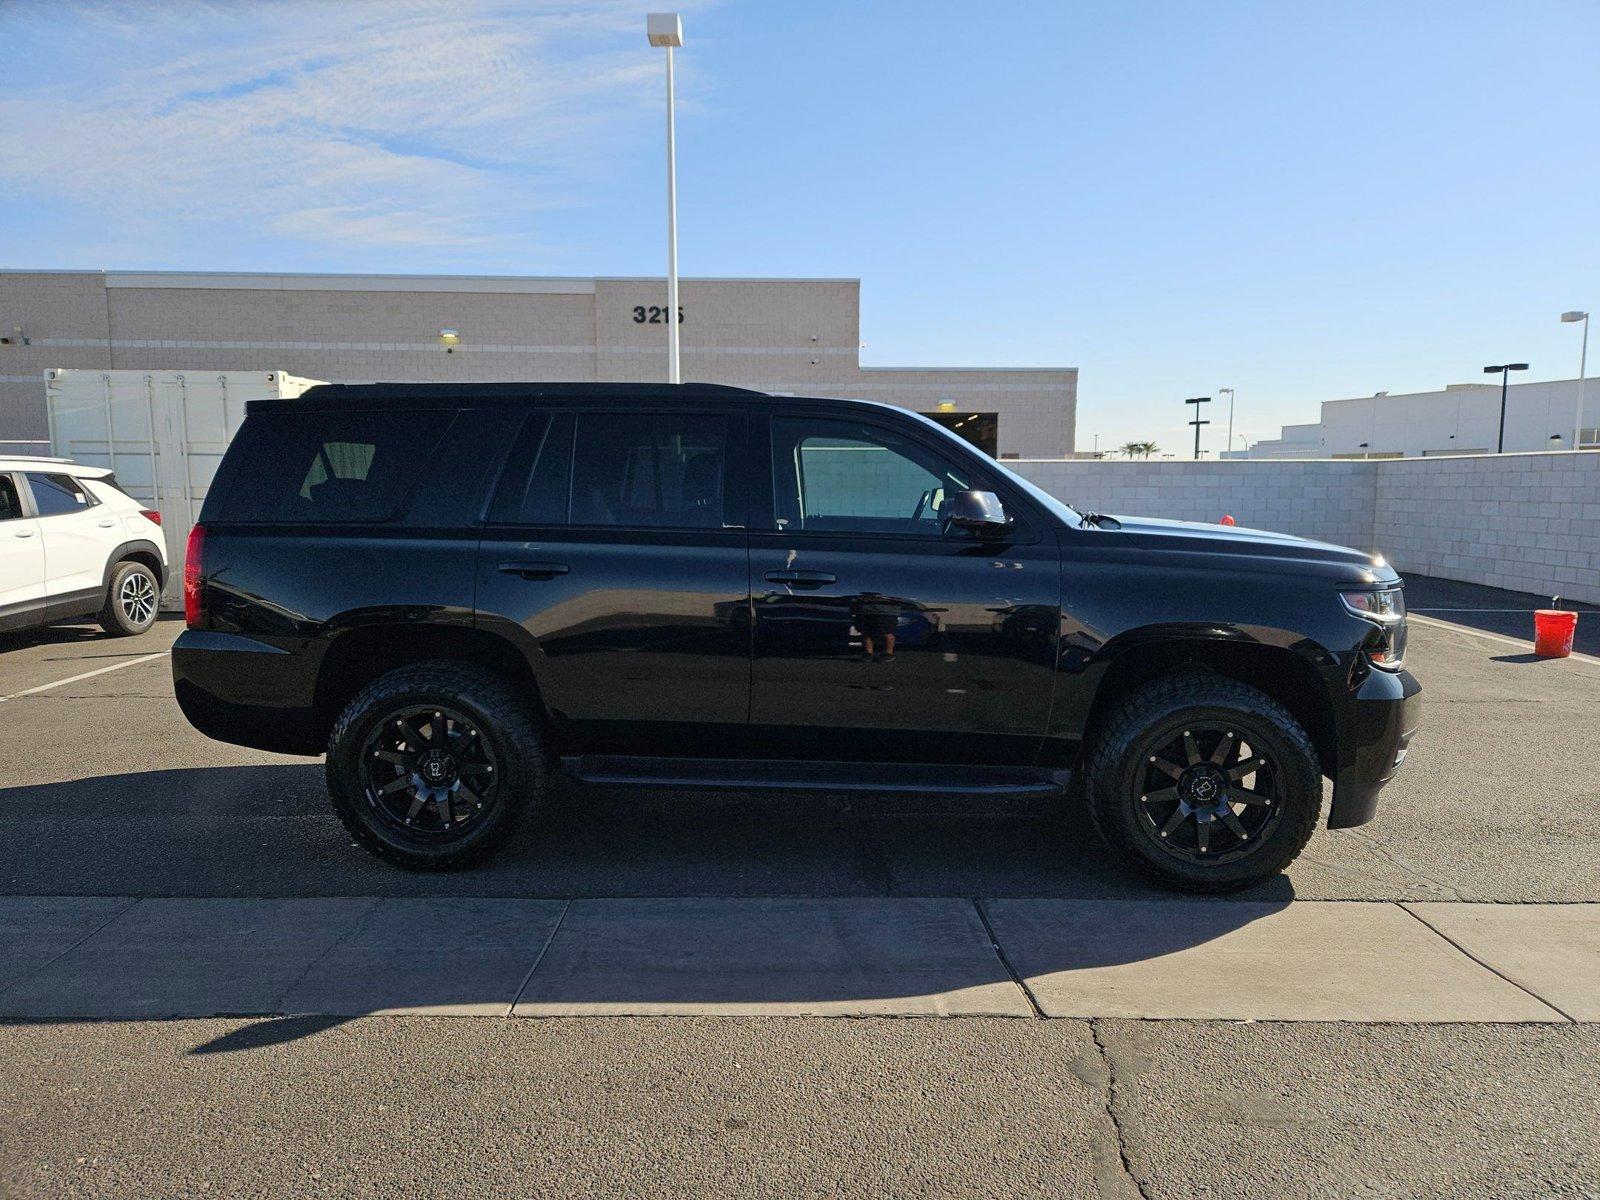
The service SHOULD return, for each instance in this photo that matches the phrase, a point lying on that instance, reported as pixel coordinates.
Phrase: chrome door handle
(801, 578)
(534, 570)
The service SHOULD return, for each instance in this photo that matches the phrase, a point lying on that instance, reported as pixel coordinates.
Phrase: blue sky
(1303, 202)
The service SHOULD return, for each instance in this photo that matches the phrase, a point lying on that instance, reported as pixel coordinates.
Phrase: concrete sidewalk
(66, 958)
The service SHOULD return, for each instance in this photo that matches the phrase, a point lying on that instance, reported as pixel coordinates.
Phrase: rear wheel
(132, 597)
(432, 765)
(1204, 782)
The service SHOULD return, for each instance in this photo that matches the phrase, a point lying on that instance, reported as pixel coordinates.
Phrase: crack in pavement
(1112, 1106)
(1417, 872)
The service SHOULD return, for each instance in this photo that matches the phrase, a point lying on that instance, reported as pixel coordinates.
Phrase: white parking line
(45, 687)
(1519, 643)
(1430, 609)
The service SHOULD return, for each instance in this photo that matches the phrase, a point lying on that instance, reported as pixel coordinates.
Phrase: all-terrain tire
(500, 713)
(132, 598)
(1119, 748)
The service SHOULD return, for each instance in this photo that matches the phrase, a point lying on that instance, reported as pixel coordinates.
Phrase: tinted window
(10, 505)
(842, 476)
(57, 494)
(321, 468)
(534, 487)
(650, 470)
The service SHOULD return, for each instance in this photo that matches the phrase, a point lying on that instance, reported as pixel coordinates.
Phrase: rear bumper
(236, 689)
(1381, 719)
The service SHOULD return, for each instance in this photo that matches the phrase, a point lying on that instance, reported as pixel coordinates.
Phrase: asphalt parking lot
(1044, 1087)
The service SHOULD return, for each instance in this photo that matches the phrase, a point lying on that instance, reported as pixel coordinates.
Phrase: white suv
(74, 544)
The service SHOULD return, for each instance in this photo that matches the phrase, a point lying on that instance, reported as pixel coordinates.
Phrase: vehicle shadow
(77, 634)
(256, 902)
(269, 831)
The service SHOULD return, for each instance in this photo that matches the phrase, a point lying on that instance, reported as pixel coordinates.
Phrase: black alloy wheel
(1208, 795)
(1205, 782)
(433, 765)
(428, 772)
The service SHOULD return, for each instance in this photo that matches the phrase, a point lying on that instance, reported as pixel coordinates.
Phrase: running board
(794, 775)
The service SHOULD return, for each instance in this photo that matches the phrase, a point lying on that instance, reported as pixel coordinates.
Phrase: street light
(1505, 370)
(666, 30)
(1197, 401)
(1570, 318)
(1230, 414)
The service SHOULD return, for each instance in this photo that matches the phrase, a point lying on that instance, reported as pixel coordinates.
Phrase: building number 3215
(655, 314)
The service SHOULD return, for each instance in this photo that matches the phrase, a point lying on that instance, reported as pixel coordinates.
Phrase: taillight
(193, 574)
(150, 514)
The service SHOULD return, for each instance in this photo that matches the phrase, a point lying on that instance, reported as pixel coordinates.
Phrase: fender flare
(136, 546)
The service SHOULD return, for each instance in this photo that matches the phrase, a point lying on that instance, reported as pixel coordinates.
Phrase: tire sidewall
(113, 614)
(1117, 793)
(379, 704)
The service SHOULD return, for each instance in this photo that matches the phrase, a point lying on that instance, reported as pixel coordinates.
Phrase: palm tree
(1131, 448)
(1148, 448)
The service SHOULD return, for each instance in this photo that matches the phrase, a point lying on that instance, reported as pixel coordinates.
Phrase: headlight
(1387, 605)
(1386, 610)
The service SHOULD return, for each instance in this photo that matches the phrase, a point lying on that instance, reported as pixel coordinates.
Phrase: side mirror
(977, 512)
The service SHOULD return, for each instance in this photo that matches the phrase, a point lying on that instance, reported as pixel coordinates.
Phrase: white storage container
(162, 432)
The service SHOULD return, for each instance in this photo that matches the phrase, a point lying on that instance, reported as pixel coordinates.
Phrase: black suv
(451, 588)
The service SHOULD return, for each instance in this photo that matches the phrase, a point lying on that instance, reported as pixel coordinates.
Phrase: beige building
(801, 336)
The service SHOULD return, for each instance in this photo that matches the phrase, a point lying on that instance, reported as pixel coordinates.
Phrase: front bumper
(1380, 720)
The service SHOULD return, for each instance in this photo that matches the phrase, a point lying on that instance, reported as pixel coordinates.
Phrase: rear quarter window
(329, 468)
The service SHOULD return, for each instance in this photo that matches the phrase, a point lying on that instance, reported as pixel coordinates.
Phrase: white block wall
(1328, 500)
(1528, 522)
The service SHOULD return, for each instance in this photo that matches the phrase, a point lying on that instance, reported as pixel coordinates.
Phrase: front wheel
(431, 766)
(1204, 782)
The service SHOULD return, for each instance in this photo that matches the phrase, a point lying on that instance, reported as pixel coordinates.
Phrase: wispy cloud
(405, 122)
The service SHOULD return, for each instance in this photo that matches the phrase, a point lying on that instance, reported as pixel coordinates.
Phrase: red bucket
(1552, 632)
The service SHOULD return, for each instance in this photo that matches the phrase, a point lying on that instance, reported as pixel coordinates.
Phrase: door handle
(24, 533)
(534, 570)
(807, 579)
(107, 524)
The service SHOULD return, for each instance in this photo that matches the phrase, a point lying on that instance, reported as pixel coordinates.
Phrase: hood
(1156, 533)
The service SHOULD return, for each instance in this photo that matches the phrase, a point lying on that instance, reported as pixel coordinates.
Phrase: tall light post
(1569, 318)
(1230, 414)
(1197, 401)
(666, 30)
(1505, 370)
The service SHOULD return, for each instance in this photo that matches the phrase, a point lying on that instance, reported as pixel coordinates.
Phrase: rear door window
(651, 470)
(330, 468)
(535, 486)
(57, 494)
(10, 502)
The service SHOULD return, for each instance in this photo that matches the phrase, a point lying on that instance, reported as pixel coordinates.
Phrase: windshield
(1056, 508)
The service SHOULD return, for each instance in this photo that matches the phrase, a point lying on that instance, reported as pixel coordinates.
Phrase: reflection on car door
(615, 546)
(21, 560)
(79, 533)
(878, 635)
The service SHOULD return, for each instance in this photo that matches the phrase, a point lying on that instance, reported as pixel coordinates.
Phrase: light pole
(1568, 318)
(1505, 370)
(666, 30)
(1197, 401)
(1230, 414)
